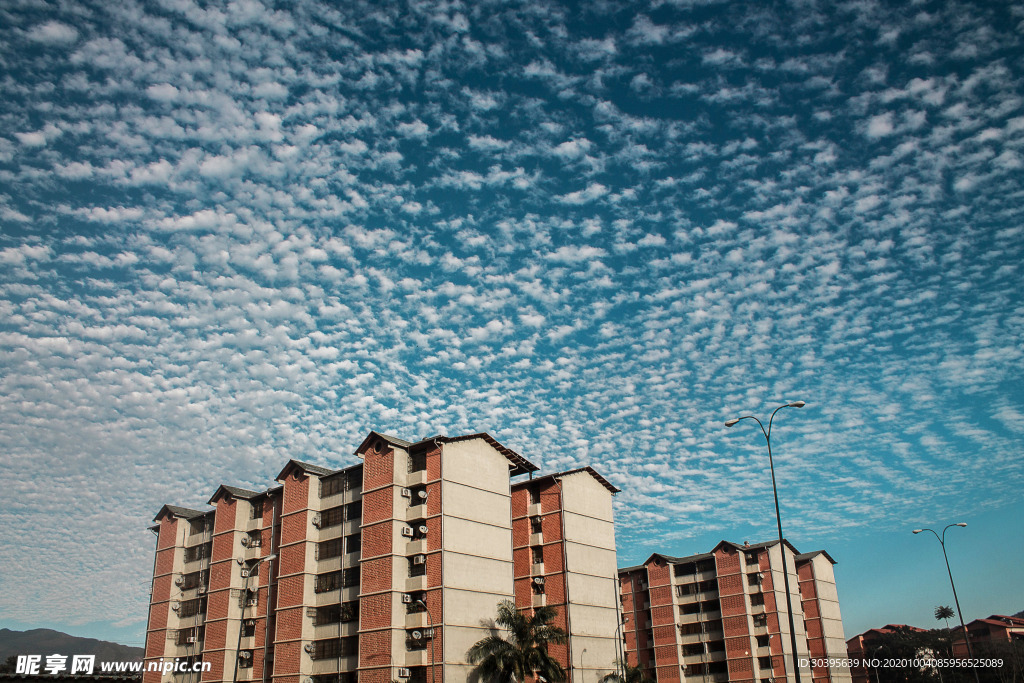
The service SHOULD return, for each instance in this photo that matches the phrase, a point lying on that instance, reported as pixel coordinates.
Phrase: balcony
(537, 539)
(416, 620)
(416, 478)
(533, 509)
(539, 600)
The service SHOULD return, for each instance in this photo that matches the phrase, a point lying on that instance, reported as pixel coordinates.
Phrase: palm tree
(634, 674)
(523, 652)
(944, 612)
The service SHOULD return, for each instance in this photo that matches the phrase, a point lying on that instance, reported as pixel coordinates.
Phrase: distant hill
(43, 641)
(1019, 614)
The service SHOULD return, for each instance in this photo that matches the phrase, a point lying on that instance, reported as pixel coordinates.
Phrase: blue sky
(237, 233)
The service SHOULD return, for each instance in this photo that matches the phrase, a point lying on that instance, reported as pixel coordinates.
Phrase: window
(193, 580)
(754, 579)
(333, 485)
(332, 517)
(751, 557)
(190, 608)
(189, 636)
(354, 510)
(534, 490)
(416, 606)
(419, 674)
(198, 552)
(538, 587)
(757, 600)
(248, 628)
(418, 458)
(351, 577)
(762, 641)
(342, 677)
(538, 554)
(417, 565)
(325, 550)
(716, 646)
(334, 647)
(334, 614)
(760, 620)
(690, 608)
(694, 649)
(536, 524)
(353, 543)
(257, 510)
(764, 662)
(417, 495)
(245, 659)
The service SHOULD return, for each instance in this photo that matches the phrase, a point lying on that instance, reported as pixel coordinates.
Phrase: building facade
(386, 570)
(721, 616)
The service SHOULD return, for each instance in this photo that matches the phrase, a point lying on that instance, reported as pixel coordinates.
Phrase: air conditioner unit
(406, 493)
(307, 679)
(407, 531)
(316, 521)
(179, 580)
(245, 541)
(404, 673)
(245, 654)
(255, 543)
(190, 639)
(406, 598)
(308, 647)
(539, 580)
(250, 622)
(245, 573)
(200, 589)
(422, 529)
(419, 559)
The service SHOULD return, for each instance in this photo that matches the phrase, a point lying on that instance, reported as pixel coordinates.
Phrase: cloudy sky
(234, 233)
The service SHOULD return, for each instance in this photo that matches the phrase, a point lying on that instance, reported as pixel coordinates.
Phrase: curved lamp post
(430, 625)
(778, 519)
(942, 542)
(241, 619)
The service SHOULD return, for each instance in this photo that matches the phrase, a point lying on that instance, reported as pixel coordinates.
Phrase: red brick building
(721, 616)
(386, 570)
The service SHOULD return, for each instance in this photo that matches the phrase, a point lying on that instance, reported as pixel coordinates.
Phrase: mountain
(43, 641)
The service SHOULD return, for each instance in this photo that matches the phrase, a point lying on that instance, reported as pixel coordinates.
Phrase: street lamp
(942, 542)
(430, 625)
(778, 519)
(245, 600)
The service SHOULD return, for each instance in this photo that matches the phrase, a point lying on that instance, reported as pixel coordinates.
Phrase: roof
(756, 546)
(186, 513)
(707, 556)
(815, 553)
(589, 470)
(305, 467)
(520, 465)
(245, 494)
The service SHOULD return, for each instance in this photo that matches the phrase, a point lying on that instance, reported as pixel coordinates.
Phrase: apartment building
(721, 616)
(386, 570)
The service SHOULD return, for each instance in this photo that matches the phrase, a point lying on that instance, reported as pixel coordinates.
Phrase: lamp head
(730, 423)
(917, 531)
(961, 523)
(796, 404)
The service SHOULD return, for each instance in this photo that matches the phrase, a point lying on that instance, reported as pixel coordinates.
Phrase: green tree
(523, 651)
(634, 674)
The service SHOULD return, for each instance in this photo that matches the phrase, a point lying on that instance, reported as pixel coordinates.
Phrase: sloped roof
(589, 470)
(245, 494)
(814, 553)
(520, 465)
(305, 467)
(186, 513)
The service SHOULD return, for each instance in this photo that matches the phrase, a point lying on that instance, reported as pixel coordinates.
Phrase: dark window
(415, 606)
(419, 674)
(334, 647)
(200, 525)
(757, 599)
(534, 490)
(354, 510)
(418, 459)
(695, 649)
(762, 641)
(754, 579)
(764, 662)
(327, 582)
(332, 517)
(691, 608)
(417, 495)
(751, 557)
(351, 577)
(538, 587)
(189, 636)
(353, 543)
(198, 552)
(257, 510)
(419, 529)
(334, 614)
(193, 580)
(417, 565)
(716, 646)
(342, 677)
(190, 608)
(538, 554)
(248, 628)
(325, 550)
(332, 485)
(536, 524)
(760, 620)
(245, 659)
